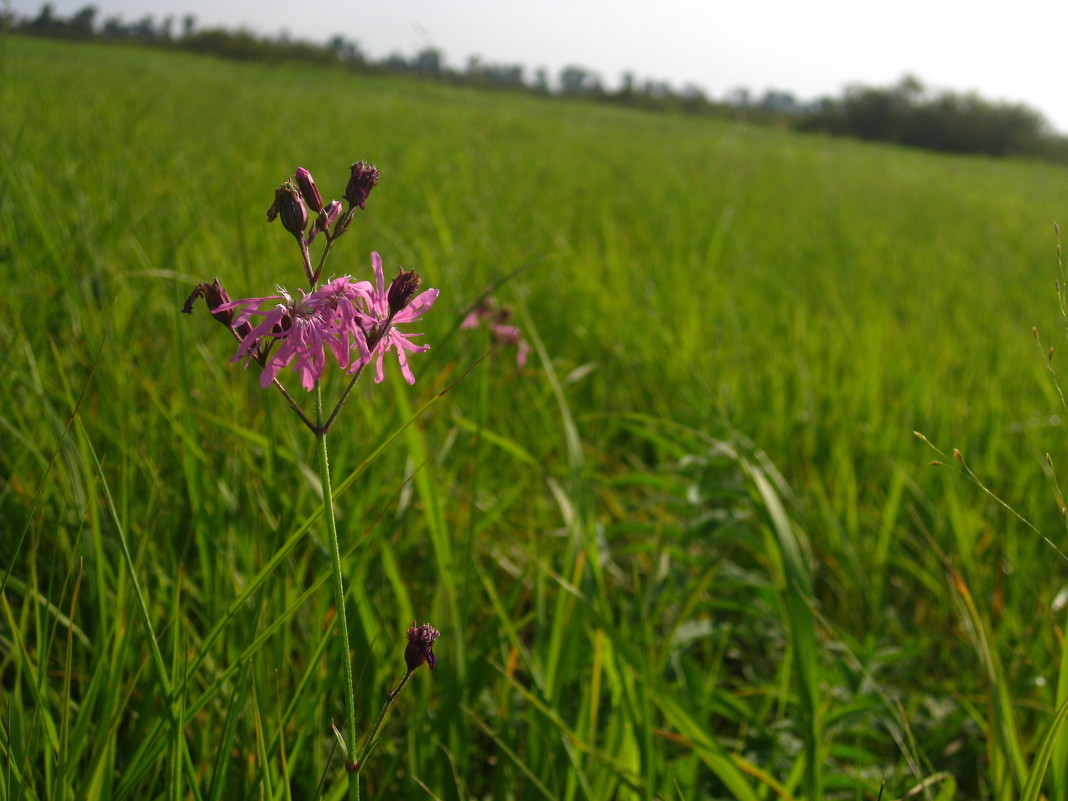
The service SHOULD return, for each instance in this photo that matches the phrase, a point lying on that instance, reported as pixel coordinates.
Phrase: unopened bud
(421, 646)
(290, 207)
(401, 290)
(327, 217)
(361, 182)
(308, 190)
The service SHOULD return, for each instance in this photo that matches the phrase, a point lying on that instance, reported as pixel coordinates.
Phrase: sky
(1015, 52)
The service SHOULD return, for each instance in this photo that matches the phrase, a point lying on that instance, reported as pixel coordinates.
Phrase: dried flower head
(217, 299)
(402, 289)
(362, 180)
(420, 647)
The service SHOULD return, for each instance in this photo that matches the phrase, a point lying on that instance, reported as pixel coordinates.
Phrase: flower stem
(306, 256)
(391, 696)
(339, 593)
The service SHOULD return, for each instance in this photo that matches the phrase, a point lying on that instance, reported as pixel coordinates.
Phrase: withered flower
(421, 646)
(362, 180)
(401, 290)
(216, 296)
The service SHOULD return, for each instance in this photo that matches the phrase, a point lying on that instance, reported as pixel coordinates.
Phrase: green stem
(391, 696)
(339, 594)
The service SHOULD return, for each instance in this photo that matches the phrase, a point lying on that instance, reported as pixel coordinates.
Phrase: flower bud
(401, 290)
(361, 182)
(327, 217)
(308, 190)
(289, 205)
(421, 646)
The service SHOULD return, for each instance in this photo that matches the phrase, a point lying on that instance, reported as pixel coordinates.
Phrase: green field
(692, 550)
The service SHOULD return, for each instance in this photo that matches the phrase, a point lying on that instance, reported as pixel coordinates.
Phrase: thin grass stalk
(339, 592)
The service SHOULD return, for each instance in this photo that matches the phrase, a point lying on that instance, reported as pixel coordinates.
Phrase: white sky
(1006, 51)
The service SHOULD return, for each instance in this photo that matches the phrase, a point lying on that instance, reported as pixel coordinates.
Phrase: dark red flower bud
(289, 205)
(421, 646)
(401, 290)
(361, 182)
(308, 190)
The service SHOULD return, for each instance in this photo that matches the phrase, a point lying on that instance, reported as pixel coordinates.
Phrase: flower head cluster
(503, 329)
(351, 319)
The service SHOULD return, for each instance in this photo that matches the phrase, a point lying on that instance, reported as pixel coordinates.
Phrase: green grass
(693, 550)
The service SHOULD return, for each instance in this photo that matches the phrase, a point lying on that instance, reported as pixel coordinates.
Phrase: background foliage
(908, 113)
(692, 550)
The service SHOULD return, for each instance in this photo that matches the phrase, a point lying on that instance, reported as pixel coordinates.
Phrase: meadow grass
(691, 550)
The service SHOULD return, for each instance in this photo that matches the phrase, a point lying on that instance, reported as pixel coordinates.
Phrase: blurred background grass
(726, 317)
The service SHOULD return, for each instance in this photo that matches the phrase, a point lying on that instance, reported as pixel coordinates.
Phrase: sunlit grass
(726, 319)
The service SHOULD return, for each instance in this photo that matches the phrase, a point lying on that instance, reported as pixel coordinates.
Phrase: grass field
(692, 550)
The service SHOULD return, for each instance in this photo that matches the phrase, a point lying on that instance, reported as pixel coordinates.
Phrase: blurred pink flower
(498, 318)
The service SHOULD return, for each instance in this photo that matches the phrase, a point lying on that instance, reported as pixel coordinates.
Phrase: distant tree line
(906, 114)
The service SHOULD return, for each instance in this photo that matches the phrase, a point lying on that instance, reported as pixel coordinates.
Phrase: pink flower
(303, 329)
(351, 319)
(499, 320)
(380, 320)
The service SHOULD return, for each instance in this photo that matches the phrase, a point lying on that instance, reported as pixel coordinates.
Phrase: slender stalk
(293, 405)
(339, 595)
(306, 256)
(391, 696)
(344, 397)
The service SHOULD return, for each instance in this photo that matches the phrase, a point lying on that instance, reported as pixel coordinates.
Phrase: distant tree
(83, 23)
(428, 61)
(575, 80)
(115, 28)
(189, 24)
(46, 19)
(503, 75)
(659, 90)
(541, 80)
(395, 62)
(739, 97)
(346, 49)
(779, 102)
(144, 28)
(908, 114)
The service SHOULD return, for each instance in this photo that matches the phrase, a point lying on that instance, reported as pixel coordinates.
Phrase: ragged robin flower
(301, 330)
(382, 317)
(504, 330)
